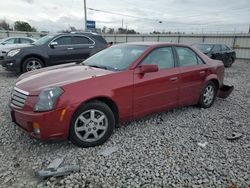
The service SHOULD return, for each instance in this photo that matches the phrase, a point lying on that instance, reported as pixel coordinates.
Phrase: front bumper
(11, 64)
(225, 91)
(51, 124)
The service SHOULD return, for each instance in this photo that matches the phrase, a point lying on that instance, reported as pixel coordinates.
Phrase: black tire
(203, 101)
(229, 63)
(38, 64)
(98, 107)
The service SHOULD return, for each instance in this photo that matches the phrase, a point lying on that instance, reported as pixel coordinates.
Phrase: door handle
(173, 79)
(91, 46)
(70, 48)
(202, 73)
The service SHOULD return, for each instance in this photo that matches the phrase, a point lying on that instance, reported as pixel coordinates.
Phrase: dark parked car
(53, 50)
(84, 102)
(218, 51)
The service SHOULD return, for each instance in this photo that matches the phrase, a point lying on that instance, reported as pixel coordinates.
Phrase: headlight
(12, 53)
(47, 99)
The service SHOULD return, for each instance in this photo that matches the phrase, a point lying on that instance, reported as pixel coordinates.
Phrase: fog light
(10, 64)
(36, 128)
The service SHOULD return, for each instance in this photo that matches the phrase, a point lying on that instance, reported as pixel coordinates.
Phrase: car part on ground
(53, 50)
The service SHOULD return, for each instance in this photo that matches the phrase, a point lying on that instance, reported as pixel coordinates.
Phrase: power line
(115, 13)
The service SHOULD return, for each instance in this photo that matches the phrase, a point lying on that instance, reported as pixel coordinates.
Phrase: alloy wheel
(91, 125)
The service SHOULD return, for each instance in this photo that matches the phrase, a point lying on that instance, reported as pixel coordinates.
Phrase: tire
(229, 63)
(208, 95)
(92, 124)
(32, 63)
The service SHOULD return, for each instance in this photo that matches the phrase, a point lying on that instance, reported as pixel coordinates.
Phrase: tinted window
(64, 40)
(224, 48)
(186, 56)
(81, 40)
(25, 41)
(217, 48)
(163, 57)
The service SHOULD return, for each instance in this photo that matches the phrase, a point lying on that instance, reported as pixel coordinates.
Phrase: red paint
(135, 94)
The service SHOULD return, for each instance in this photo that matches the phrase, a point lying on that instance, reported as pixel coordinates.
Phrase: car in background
(85, 102)
(219, 52)
(54, 49)
(9, 43)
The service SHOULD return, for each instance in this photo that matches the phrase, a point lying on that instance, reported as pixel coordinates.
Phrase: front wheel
(92, 124)
(32, 63)
(208, 95)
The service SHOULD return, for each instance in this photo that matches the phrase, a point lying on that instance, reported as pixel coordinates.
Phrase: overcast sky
(176, 15)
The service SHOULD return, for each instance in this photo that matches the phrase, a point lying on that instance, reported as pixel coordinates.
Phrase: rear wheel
(92, 124)
(32, 63)
(208, 95)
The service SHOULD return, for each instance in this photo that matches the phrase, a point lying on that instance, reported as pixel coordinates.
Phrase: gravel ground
(157, 151)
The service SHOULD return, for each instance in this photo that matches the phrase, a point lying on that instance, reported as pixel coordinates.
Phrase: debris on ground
(108, 151)
(62, 171)
(56, 163)
(202, 144)
(53, 170)
(234, 136)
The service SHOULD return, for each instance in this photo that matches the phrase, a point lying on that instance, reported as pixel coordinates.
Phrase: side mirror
(142, 69)
(53, 44)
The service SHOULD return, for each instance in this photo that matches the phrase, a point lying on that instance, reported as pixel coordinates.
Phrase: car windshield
(43, 40)
(117, 57)
(205, 48)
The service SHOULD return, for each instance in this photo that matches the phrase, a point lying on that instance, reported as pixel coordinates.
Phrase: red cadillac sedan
(85, 102)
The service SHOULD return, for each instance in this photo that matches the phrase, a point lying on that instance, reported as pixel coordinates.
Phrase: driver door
(156, 91)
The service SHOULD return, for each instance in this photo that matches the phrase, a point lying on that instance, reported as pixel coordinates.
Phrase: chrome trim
(18, 98)
(21, 91)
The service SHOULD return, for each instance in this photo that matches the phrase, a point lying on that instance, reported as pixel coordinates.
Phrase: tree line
(18, 26)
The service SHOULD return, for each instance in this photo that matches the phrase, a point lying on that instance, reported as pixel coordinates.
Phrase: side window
(81, 40)
(217, 48)
(163, 57)
(25, 41)
(186, 57)
(66, 40)
(10, 41)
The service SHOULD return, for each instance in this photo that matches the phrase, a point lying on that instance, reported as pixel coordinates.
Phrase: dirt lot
(184, 147)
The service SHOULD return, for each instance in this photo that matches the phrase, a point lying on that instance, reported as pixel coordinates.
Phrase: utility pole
(85, 16)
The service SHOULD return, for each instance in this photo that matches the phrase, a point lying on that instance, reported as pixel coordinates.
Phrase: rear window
(99, 39)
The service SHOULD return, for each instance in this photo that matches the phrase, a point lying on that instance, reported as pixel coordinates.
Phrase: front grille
(18, 98)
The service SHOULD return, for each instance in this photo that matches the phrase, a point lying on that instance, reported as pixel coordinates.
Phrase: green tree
(23, 26)
(4, 25)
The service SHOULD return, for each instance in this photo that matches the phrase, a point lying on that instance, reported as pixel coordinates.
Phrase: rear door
(62, 52)
(193, 72)
(82, 47)
(157, 90)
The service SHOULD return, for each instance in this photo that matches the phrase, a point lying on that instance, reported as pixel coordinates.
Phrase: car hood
(61, 75)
